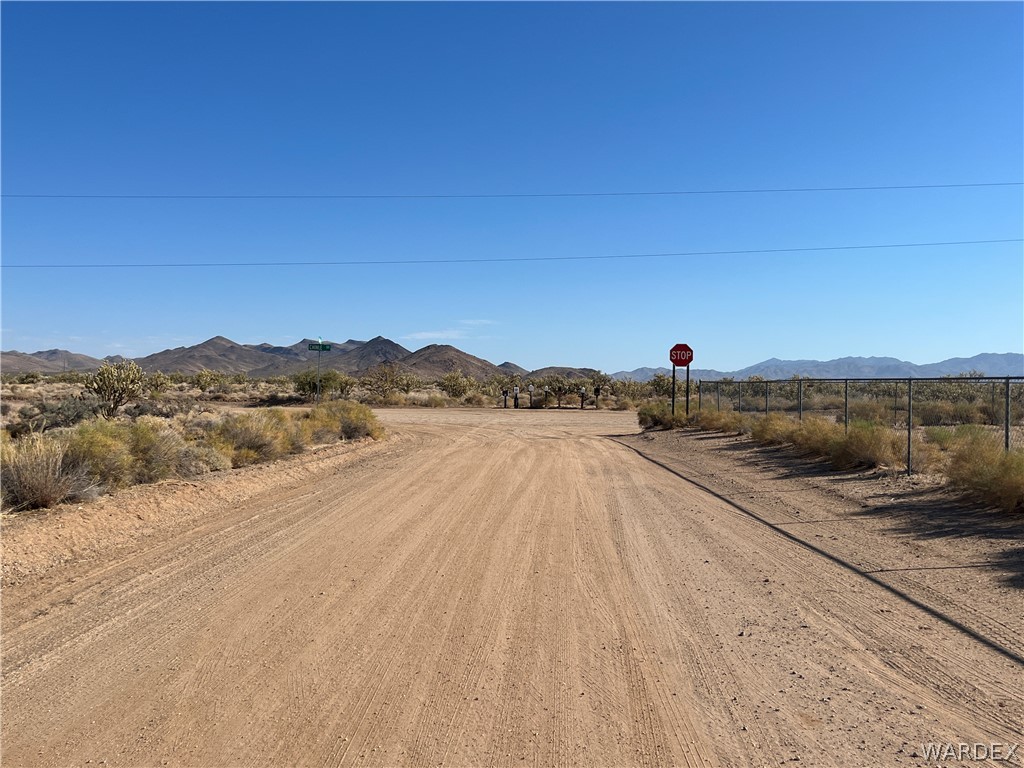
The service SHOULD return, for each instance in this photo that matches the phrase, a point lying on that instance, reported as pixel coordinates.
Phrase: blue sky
(291, 99)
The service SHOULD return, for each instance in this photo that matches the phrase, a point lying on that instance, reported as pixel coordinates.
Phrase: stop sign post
(681, 354)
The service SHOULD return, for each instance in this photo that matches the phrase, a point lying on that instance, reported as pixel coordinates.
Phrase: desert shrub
(774, 429)
(155, 448)
(166, 409)
(623, 404)
(933, 414)
(319, 426)
(115, 385)
(980, 465)
(332, 384)
(354, 420)
(249, 438)
(31, 377)
(941, 437)
(724, 421)
(197, 458)
(817, 436)
(37, 472)
(477, 400)
(657, 414)
(926, 456)
(55, 414)
(102, 449)
(870, 410)
(867, 444)
(70, 377)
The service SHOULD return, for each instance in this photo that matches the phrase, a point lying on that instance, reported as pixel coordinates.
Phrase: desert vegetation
(971, 456)
(166, 425)
(93, 441)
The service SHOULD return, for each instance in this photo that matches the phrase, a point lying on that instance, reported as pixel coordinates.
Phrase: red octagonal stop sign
(680, 354)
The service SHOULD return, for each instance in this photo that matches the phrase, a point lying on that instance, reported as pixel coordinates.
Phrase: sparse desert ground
(492, 587)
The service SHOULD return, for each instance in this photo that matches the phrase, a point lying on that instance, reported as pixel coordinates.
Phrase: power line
(497, 259)
(514, 195)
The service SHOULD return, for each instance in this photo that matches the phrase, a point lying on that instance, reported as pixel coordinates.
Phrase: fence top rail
(897, 379)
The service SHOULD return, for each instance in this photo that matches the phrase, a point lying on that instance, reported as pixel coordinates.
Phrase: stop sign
(681, 354)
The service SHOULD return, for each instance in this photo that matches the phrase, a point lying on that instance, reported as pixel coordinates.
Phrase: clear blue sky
(465, 99)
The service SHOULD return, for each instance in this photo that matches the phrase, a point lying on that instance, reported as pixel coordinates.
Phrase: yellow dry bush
(249, 438)
(103, 449)
(979, 464)
(774, 429)
(867, 444)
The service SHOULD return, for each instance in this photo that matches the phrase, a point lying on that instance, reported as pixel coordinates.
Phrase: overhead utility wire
(515, 195)
(493, 260)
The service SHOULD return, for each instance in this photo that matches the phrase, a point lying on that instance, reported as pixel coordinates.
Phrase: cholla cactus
(156, 383)
(115, 385)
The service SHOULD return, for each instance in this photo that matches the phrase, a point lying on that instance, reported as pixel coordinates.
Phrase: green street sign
(319, 347)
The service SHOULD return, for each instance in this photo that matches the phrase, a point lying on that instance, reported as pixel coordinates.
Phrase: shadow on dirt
(927, 511)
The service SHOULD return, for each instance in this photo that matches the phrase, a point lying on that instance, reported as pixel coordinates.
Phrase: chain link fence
(941, 414)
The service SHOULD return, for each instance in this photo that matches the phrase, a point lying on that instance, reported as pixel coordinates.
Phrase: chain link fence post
(846, 405)
(910, 425)
(1006, 417)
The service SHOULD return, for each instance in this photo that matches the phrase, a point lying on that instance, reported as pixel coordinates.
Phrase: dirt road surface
(511, 588)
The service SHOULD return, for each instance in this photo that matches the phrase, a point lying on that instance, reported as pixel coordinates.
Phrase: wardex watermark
(970, 752)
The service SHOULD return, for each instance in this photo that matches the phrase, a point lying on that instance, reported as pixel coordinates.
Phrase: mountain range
(988, 364)
(356, 357)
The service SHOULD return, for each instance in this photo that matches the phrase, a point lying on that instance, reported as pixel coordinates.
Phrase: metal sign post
(680, 354)
(319, 348)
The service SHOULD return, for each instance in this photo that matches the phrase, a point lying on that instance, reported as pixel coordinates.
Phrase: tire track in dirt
(942, 671)
(494, 588)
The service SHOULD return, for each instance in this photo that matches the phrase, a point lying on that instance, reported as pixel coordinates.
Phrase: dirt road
(510, 588)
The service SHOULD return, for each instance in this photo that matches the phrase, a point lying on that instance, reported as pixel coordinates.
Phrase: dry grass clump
(345, 420)
(817, 436)
(36, 472)
(980, 465)
(252, 438)
(724, 421)
(867, 444)
(774, 429)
